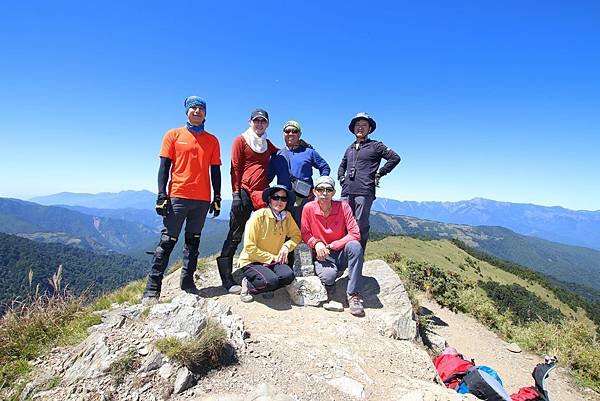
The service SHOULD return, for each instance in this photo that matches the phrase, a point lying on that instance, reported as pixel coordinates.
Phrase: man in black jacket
(359, 170)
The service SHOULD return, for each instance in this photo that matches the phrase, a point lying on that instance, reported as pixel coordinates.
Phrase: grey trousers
(361, 207)
(351, 258)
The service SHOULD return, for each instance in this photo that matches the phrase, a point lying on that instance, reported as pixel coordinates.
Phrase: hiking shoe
(149, 301)
(245, 296)
(268, 295)
(234, 289)
(192, 290)
(355, 304)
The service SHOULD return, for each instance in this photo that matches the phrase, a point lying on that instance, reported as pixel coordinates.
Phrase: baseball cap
(292, 123)
(325, 180)
(259, 113)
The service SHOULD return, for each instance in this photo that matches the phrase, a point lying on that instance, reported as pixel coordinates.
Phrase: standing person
(250, 154)
(359, 171)
(293, 165)
(187, 156)
(265, 253)
(330, 229)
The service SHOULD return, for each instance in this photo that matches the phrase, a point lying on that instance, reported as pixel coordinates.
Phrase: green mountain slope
(563, 262)
(82, 269)
(56, 224)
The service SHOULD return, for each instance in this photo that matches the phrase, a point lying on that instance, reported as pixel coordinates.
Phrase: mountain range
(573, 227)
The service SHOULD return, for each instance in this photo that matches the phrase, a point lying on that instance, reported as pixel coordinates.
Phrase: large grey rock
(387, 303)
(183, 317)
(307, 291)
(348, 386)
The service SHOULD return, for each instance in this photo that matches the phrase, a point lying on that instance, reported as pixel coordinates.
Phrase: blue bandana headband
(194, 101)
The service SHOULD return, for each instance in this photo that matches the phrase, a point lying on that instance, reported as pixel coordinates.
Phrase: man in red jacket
(329, 227)
(250, 155)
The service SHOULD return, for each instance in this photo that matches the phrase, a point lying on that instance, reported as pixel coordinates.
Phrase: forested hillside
(81, 269)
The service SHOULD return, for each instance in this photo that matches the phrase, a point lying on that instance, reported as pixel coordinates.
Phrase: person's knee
(353, 247)
(192, 240)
(287, 277)
(327, 275)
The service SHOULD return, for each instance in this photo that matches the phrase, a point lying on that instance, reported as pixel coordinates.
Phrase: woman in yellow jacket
(265, 253)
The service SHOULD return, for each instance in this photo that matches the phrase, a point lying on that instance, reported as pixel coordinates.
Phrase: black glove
(163, 205)
(342, 179)
(377, 178)
(215, 206)
(236, 205)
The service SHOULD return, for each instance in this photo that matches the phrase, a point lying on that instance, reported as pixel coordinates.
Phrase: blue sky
(491, 99)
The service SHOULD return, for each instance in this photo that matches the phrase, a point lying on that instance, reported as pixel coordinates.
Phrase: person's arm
(392, 159)
(215, 179)
(320, 164)
(293, 232)
(251, 236)
(163, 175)
(352, 230)
(237, 164)
(342, 169)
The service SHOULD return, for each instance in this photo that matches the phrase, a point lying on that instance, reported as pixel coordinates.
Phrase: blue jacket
(301, 161)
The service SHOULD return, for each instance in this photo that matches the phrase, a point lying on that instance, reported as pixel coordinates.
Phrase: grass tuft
(198, 354)
(125, 364)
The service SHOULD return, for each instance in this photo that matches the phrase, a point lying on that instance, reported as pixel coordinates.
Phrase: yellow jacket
(264, 237)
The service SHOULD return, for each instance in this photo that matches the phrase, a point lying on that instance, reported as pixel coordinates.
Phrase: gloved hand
(377, 178)
(163, 205)
(215, 206)
(236, 205)
(342, 179)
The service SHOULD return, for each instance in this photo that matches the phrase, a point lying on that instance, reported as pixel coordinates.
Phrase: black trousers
(237, 223)
(263, 278)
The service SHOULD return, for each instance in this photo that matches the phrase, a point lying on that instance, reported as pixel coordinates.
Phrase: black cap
(259, 113)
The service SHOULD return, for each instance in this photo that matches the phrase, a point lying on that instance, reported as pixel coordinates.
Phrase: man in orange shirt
(250, 155)
(187, 156)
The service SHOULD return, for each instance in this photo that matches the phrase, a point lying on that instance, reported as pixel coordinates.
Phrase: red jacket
(335, 230)
(249, 169)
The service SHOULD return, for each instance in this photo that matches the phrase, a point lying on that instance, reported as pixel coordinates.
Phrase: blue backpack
(484, 383)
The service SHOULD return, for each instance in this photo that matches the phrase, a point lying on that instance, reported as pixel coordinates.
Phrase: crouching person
(264, 257)
(330, 229)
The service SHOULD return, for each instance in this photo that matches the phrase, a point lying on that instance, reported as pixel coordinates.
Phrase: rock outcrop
(277, 350)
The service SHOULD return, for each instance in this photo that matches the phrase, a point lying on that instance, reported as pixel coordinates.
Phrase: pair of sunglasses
(291, 131)
(279, 198)
(324, 189)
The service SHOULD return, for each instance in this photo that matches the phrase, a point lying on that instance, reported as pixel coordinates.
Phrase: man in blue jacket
(359, 170)
(293, 165)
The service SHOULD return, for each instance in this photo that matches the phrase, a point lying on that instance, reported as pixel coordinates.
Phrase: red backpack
(452, 368)
(526, 394)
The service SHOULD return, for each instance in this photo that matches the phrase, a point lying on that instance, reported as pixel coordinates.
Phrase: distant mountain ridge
(104, 200)
(558, 224)
(56, 224)
(564, 262)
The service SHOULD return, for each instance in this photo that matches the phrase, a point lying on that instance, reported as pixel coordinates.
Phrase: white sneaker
(244, 295)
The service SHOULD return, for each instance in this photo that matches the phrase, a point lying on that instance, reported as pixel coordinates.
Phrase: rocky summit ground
(279, 351)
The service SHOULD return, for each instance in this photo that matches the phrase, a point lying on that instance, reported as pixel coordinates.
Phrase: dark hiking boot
(225, 265)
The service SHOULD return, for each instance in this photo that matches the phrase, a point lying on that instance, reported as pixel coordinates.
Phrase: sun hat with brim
(362, 116)
(291, 196)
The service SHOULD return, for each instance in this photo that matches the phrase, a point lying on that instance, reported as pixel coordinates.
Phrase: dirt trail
(474, 340)
(303, 350)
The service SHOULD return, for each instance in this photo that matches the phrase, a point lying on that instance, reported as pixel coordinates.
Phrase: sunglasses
(291, 131)
(324, 189)
(279, 198)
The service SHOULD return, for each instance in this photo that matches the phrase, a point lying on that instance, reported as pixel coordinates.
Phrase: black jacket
(363, 158)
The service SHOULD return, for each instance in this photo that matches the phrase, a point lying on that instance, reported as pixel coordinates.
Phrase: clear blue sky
(492, 99)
